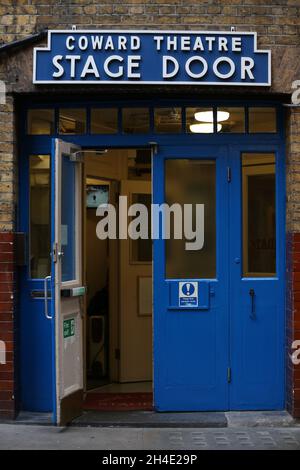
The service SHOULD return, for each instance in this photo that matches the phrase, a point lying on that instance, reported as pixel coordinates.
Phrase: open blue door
(66, 280)
(191, 319)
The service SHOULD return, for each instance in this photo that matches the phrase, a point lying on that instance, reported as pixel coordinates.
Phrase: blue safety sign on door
(188, 294)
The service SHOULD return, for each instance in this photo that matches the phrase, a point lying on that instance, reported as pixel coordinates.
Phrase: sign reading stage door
(152, 57)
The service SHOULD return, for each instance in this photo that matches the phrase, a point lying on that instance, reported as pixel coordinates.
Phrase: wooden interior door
(136, 295)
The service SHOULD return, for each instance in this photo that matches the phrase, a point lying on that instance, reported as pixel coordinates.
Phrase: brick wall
(293, 257)
(277, 21)
(8, 384)
(7, 326)
(293, 322)
(8, 174)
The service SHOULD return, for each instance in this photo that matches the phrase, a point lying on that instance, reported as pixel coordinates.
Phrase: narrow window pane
(40, 121)
(72, 121)
(141, 249)
(262, 120)
(259, 215)
(200, 120)
(167, 120)
(190, 181)
(135, 120)
(39, 231)
(231, 119)
(68, 218)
(104, 121)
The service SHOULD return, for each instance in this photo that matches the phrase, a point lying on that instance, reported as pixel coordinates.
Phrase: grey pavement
(152, 419)
(20, 436)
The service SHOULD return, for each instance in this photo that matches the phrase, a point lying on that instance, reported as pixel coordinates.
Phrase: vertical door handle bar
(47, 278)
(252, 295)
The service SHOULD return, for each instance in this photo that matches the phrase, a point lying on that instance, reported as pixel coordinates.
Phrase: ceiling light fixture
(208, 116)
(204, 128)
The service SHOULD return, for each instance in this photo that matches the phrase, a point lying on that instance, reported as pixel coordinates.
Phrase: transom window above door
(192, 119)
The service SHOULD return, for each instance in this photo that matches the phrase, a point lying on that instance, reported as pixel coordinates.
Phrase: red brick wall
(293, 257)
(7, 324)
(293, 321)
(8, 199)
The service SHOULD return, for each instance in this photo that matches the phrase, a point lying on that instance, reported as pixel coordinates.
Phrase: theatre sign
(152, 57)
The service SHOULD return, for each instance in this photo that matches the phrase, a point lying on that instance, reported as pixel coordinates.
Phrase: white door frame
(68, 376)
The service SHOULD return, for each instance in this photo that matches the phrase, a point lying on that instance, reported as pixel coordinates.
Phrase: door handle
(47, 278)
(252, 295)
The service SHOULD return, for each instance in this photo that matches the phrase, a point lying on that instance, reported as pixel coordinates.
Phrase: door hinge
(228, 174)
(77, 156)
(229, 374)
(117, 354)
(54, 252)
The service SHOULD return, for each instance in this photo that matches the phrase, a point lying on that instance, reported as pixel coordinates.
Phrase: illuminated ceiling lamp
(208, 116)
(204, 128)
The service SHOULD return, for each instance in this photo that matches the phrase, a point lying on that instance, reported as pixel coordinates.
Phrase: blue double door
(224, 350)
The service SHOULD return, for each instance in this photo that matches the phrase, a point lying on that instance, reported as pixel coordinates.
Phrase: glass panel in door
(68, 216)
(196, 185)
(259, 215)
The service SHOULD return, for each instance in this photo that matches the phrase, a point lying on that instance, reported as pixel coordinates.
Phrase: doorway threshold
(34, 418)
(200, 419)
(151, 419)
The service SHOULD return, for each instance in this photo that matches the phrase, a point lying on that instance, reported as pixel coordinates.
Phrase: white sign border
(183, 296)
(134, 82)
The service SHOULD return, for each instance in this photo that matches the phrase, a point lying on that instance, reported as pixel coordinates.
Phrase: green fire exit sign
(69, 327)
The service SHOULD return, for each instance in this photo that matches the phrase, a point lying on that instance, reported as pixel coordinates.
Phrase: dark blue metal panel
(35, 351)
(35, 330)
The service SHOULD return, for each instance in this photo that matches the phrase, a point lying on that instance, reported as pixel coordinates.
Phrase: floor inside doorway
(120, 397)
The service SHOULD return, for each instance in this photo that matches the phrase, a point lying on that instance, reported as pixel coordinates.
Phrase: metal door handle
(47, 278)
(252, 295)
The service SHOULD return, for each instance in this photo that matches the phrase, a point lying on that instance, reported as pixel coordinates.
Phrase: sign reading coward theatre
(152, 57)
